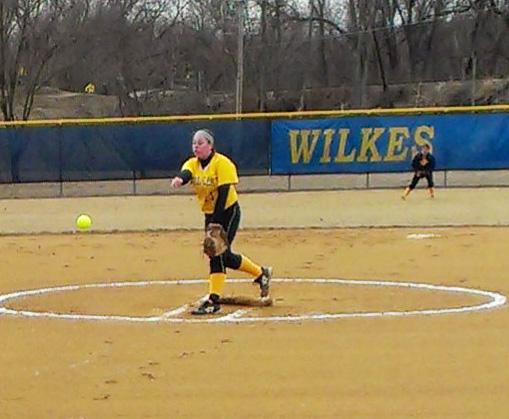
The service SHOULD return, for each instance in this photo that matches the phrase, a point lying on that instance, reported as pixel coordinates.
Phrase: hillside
(51, 103)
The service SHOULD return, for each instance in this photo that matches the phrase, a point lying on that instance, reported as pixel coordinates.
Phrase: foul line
(175, 312)
(495, 300)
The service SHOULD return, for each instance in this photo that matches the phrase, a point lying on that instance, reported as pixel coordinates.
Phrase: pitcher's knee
(232, 260)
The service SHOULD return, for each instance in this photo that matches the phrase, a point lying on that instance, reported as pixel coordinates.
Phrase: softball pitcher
(214, 176)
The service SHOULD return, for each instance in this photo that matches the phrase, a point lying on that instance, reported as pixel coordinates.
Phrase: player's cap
(204, 133)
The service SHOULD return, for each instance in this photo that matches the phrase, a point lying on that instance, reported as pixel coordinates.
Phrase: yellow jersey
(219, 171)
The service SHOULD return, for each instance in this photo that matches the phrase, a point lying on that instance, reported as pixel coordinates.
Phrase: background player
(423, 164)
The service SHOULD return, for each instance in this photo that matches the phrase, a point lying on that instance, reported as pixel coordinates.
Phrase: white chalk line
(237, 314)
(421, 236)
(495, 300)
(175, 312)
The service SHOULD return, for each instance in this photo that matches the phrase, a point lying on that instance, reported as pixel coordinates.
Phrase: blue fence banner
(367, 144)
(277, 144)
(75, 152)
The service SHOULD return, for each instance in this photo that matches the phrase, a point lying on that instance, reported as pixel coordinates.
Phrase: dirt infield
(378, 366)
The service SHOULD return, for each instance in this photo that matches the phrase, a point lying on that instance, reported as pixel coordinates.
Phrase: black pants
(230, 220)
(418, 177)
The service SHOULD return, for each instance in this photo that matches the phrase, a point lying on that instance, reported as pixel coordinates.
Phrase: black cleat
(264, 281)
(207, 307)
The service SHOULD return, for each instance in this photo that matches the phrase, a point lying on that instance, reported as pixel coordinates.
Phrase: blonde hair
(204, 133)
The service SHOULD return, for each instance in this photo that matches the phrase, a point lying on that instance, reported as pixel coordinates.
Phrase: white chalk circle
(494, 300)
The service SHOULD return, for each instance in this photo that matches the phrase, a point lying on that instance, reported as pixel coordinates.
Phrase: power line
(449, 17)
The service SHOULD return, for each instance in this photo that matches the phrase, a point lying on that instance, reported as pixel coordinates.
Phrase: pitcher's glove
(215, 242)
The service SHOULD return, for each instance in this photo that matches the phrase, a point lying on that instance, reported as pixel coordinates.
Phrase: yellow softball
(83, 222)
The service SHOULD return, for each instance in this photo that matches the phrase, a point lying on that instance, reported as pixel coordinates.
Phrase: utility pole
(240, 57)
(474, 78)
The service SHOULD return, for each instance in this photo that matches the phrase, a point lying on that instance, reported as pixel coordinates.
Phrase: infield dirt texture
(383, 366)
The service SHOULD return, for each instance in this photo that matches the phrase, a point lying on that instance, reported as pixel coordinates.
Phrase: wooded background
(181, 56)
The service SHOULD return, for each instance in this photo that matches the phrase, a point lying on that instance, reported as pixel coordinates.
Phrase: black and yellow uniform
(208, 176)
(423, 165)
(214, 181)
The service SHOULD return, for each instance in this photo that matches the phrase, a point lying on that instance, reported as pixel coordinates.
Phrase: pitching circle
(494, 300)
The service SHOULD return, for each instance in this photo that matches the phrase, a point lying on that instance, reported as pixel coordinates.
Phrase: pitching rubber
(246, 301)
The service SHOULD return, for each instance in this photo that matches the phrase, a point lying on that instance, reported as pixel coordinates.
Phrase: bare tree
(29, 40)
(149, 52)
(361, 15)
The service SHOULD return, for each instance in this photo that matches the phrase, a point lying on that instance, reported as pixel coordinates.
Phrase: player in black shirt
(423, 164)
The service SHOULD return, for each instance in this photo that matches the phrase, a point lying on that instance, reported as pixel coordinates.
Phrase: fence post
(60, 162)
